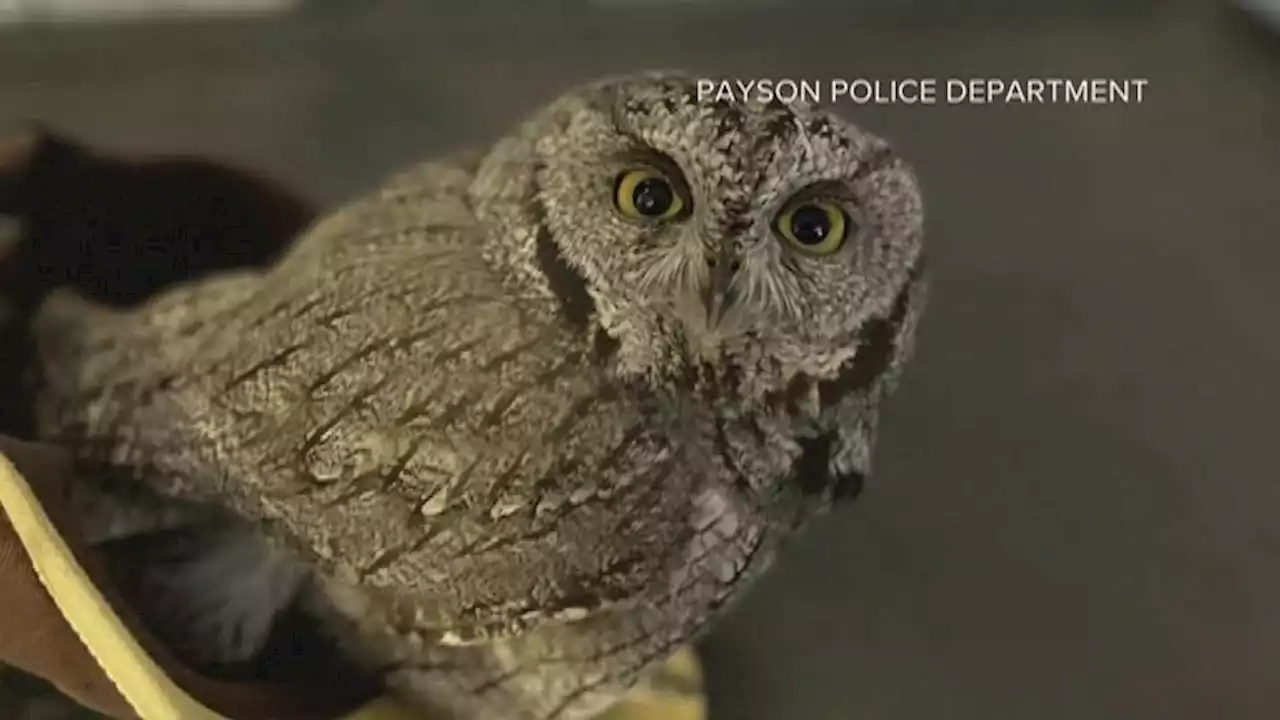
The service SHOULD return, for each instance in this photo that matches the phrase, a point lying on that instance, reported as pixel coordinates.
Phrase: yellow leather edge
(142, 683)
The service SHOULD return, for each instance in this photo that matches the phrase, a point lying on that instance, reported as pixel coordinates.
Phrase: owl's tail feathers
(206, 584)
(212, 592)
(203, 581)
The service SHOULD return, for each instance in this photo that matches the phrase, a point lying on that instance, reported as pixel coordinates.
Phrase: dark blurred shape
(1263, 17)
(120, 229)
(1266, 12)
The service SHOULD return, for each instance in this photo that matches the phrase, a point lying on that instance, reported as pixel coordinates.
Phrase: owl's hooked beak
(706, 306)
(716, 296)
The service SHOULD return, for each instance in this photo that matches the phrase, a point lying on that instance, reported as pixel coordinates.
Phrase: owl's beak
(706, 308)
(717, 298)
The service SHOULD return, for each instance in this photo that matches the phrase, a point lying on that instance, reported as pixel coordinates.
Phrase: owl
(515, 427)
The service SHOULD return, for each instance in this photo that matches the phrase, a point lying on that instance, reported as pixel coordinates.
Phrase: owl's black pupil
(652, 197)
(810, 225)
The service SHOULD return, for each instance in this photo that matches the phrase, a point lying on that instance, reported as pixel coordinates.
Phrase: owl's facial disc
(764, 242)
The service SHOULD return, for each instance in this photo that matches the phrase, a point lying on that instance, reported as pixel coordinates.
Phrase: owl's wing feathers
(381, 402)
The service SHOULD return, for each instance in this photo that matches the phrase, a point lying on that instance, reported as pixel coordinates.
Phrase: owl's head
(773, 248)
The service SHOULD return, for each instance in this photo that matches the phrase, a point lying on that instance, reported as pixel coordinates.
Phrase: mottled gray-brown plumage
(517, 425)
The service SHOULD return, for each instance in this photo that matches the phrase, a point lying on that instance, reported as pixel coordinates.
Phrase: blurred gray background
(1076, 509)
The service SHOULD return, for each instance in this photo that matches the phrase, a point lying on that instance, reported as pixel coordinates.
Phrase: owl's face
(764, 239)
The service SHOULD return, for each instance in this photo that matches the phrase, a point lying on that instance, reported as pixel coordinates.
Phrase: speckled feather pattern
(528, 447)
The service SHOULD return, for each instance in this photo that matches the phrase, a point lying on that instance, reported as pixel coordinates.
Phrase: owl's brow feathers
(776, 124)
(763, 134)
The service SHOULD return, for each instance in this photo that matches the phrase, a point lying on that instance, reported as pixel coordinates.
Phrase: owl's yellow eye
(816, 227)
(646, 194)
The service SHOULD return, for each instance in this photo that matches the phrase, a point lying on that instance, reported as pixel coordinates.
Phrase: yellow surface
(154, 696)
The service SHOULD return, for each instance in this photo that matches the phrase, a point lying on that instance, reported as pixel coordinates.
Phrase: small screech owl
(516, 426)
